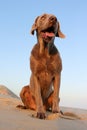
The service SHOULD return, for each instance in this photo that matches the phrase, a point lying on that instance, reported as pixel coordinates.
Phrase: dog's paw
(56, 110)
(21, 106)
(41, 115)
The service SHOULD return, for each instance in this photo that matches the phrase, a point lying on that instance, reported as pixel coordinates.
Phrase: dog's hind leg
(27, 98)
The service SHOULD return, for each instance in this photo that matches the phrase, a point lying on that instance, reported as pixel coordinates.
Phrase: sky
(16, 43)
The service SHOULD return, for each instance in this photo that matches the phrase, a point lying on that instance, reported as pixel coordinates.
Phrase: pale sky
(16, 42)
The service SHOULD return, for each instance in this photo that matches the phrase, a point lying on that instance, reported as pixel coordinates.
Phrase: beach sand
(13, 118)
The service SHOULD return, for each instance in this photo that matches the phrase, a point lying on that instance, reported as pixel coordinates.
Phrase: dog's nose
(52, 18)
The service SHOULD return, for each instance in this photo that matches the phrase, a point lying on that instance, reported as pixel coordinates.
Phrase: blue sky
(16, 42)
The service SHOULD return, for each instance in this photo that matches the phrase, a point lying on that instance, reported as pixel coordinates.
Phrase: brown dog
(46, 66)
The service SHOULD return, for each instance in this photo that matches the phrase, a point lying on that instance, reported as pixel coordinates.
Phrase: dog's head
(47, 26)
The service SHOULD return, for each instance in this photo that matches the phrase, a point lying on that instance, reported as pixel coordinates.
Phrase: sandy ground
(12, 118)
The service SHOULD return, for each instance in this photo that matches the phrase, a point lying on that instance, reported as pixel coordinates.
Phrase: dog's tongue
(49, 34)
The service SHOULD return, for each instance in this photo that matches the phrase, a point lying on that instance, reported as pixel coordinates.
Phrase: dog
(45, 62)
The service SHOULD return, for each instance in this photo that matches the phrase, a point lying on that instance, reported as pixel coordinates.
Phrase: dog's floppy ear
(59, 33)
(34, 26)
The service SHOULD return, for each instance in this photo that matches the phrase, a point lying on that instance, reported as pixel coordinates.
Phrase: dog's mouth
(48, 33)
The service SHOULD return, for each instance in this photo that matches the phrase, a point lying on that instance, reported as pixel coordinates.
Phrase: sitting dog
(43, 92)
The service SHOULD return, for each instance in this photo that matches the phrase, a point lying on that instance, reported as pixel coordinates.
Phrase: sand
(13, 118)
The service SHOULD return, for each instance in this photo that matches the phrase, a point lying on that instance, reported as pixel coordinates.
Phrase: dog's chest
(46, 65)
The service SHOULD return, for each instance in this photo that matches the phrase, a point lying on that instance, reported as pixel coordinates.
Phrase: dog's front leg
(38, 98)
(56, 84)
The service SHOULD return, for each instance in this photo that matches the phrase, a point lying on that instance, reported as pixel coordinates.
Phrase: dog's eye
(43, 17)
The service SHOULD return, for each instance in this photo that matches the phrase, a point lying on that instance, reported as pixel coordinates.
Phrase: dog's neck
(45, 47)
